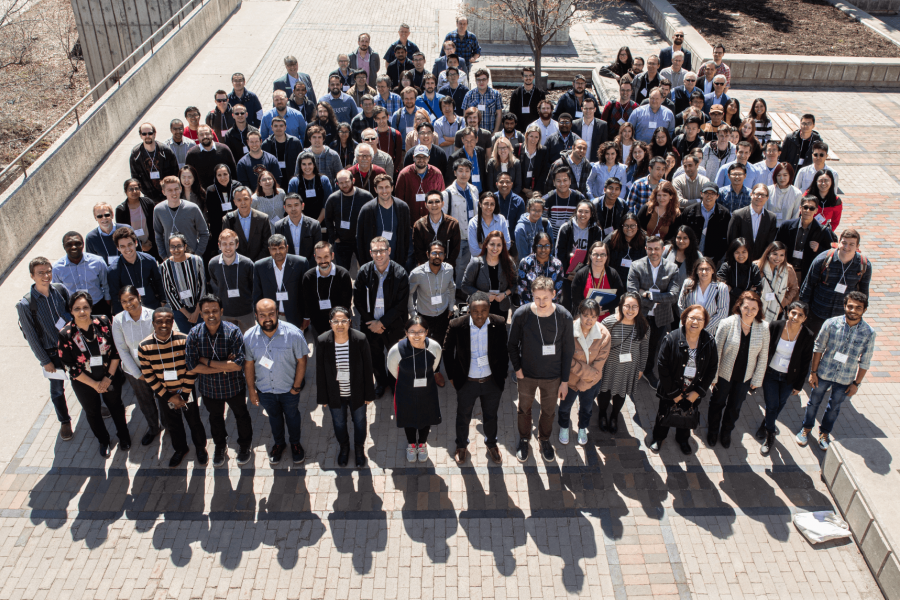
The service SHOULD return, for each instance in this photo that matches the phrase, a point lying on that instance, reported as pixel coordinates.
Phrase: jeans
(339, 419)
(147, 402)
(238, 405)
(466, 396)
(282, 408)
(90, 403)
(585, 406)
(58, 389)
(832, 409)
(549, 392)
(776, 390)
(727, 398)
(175, 426)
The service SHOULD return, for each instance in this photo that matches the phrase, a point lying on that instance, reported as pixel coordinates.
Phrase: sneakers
(654, 447)
(522, 451)
(202, 457)
(803, 437)
(65, 431)
(824, 441)
(297, 453)
(767, 444)
(411, 453)
(423, 452)
(275, 453)
(244, 455)
(582, 437)
(219, 455)
(564, 435)
(547, 451)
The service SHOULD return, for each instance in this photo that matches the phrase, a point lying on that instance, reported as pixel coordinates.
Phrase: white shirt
(755, 218)
(279, 279)
(479, 347)
(547, 131)
(587, 133)
(654, 271)
(128, 334)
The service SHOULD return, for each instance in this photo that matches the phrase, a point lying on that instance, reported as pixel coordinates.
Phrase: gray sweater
(188, 221)
(526, 339)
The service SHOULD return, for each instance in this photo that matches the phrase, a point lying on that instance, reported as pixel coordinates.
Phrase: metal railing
(112, 76)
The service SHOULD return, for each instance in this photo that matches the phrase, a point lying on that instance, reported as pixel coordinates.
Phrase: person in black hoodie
(738, 272)
(578, 233)
(219, 201)
(796, 148)
(804, 238)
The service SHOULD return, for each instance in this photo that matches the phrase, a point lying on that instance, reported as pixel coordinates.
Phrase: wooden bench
(785, 123)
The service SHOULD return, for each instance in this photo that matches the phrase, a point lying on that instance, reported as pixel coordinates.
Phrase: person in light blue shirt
(294, 120)
(344, 106)
(430, 100)
(647, 117)
(742, 155)
(532, 223)
(78, 270)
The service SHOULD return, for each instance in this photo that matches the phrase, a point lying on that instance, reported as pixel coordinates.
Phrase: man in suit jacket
(754, 223)
(476, 358)
(718, 96)
(278, 278)
(362, 51)
(301, 232)
(804, 237)
(658, 283)
(597, 128)
(252, 226)
(287, 82)
(381, 295)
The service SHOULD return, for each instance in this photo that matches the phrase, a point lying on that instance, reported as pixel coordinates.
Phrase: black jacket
(236, 140)
(520, 99)
(123, 217)
(292, 150)
(742, 226)
(368, 227)
(341, 294)
(396, 295)
(673, 358)
(266, 286)
(449, 177)
(215, 198)
(609, 218)
(562, 161)
(568, 103)
(801, 357)
(791, 146)
(681, 98)
(457, 350)
(556, 145)
(162, 162)
(580, 281)
(362, 386)
(787, 235)
(257, 247)
(539, 166)
(310, 231)
(716, 230)
(565, 240)
(601, 135)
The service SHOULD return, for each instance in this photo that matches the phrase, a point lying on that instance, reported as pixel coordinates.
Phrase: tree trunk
(539, 77)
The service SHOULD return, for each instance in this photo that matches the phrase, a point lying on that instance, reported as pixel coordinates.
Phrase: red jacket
(409, 184)
(369, 183)
(832, 213)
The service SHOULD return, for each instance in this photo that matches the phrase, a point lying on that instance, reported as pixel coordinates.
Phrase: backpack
(32, 307)
(863, 264)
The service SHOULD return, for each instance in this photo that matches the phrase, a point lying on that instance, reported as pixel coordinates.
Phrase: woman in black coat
(344, 380)
(597, 274)
(535, 161)
(790, 354)
(134, 200)
(583, 224)
(688, 361)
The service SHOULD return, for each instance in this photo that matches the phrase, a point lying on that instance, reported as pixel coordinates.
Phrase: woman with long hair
(737, 271)
(540, 263)
(486, 220)
(625, 141)
(659, 215)
(638, 163)
(733, 113)
(622, 65)
(534, 161)
(704, 288)
(191, 190)
(779, 281)
(609, 164)
(662, 142)
(683, 251)
(494, 273)
(673, 163)
(503, 160)
(269, 198)
(344, 145)
(626, 245)
(759, 112)
(575, 236)
(184, 282)
(136, 211)
(597, 274)
(784, 197)
(747, 133)
(326, 119)
(312, 186)
(823, 190)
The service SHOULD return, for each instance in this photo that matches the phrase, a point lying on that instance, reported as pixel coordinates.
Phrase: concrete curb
(873, 23)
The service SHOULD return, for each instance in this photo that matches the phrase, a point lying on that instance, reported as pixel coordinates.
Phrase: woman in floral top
(89, 354)
(539, 263)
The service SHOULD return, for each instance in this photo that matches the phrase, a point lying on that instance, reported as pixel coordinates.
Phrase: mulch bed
(811, 27)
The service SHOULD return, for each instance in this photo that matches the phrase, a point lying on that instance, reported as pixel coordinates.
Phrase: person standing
(275, 356)
(365, 59)
(341, 218)
(207, 155)
(301, 231)
(540, 263)
(384, 216)
(78, 270)
(138, 269)
(163, 364)
(841, 358)
(177, 215)
(460, 201)
(493, 272)
(241, 95)
(415, 181)
(278, 278)
(184, 282)
(597, 274)
(754, 223)
(151, 162)
(214, 351)
(542, 362)
(332, 286)
(413, 362)
(703, 287)
(524, 100)
(628, 347)
(432, 294)
(341, 386)
(42, 313)
(252, 226)
(231, 279)
(436, 226)
(711, 219)
(804, 238)
(136, 211)
(779, 282)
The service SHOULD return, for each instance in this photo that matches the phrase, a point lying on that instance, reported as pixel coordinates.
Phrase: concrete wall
(30, 203)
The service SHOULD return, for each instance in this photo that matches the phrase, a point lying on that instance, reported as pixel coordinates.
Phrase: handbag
(681, 416)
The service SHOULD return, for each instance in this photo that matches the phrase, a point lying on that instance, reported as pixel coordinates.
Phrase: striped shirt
(51, 316)
(184, 282)
(156, 358)
(342, 357)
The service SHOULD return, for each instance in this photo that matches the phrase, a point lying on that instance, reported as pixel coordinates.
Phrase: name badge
(437, 300)
(226, 206)
(644, 92)
(626, 262)
(96, 361)
(343, 376)
(234, 293)
(282, 164)
(346, 88)
(60, 323)
(379, 302)
(310, 193)
(799, 162)
(266, 362)
(420, 382)
(186, 295)
(482, 361)
(134, 353)
(154, 174)
(141, 291)
(246, 149)
(345, 224)
(784, 362)
(704, 230)
(621, 121)
(690, 371)
(170, 375)
(482, 107)
(526, 110)
(476, 178)
(420, 197)
(841, 357)
(820, 219)
(387, 235)
(280, 296)
(578, 114)
(798, 254)
(139, 232)
(625, 357)
(840, 288)
(770, 296)
(325, 304)
(529, 174)
(608, 230)
(548, 349)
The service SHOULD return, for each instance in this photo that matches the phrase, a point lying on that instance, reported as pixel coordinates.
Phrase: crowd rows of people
(696, 253)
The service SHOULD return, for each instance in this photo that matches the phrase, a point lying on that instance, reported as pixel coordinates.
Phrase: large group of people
(405, 224)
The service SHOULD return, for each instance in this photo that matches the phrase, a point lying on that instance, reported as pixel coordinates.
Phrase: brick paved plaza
(606, 520)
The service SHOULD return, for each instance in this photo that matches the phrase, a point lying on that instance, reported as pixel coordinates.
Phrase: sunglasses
(239, 114)
(810, 208)
(145, 133)
(718, 83)
(219, 100)
(369, 139)
(819, 154)
(103, 216)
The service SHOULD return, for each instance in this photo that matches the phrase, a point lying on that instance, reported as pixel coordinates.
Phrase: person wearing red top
(416, 180)
(822, 189)
(364, 171)
(192, 114)
(389, 139)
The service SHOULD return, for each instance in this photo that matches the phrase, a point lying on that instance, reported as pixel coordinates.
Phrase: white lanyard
(98, 362)
(77, 287)
(381, 219)
(749, 273)
(328, 297)
(141, 266)
(53, 311)
(844, 269)
(440, 282)
(152, 158)
(341, 204)
(175, 216)
(237, 272)
(555, 333)
(168, 374)
(105, 251)
(419, 381)
(272, 339)
(212, 343)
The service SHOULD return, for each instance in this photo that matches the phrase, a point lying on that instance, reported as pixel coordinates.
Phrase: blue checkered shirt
(227, 341)
(858, 343)
(492, 102)
(733, 201)
(393, 104)
(639, 195)
(466, 47)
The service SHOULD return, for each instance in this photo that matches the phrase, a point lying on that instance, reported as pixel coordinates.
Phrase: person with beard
(300, 101)
(385, 216)
(255, 162)
(344, 106)
(525, 99)
(561, 141)
(571, 102)
(241, 95)
(616, 113)
(295, 122)
(151, 162)
(236, 137)
(432, 295)
(302, 232)
(78, 270)
(285, 148)
(207, 155)
(231, 279)
(325, 287)
(365, 119)
(220, 118)
(341, 218)
(177, 143)
(327, 160)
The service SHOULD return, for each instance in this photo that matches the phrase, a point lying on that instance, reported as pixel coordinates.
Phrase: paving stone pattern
(606, 520)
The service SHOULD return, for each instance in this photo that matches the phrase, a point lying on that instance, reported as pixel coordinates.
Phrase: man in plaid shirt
(215, 352)
(616, 113)
(467, 47)
(641, 189)
(841, 357)
(487, 100)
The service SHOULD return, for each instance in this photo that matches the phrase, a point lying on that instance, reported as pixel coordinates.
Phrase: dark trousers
(660, 432)
(814, 322)
(725, 404)
(776, 390)
(90, 403)
(549, 393)
(343, 254)
(172, 417)
(238, 405)
(437, 326)
(102, 308)
(657, 332)
(379, 344)
(412, 433)
(283, 409)
(342, 433)
(466, 396)
(603, 401)
(58, 389)
(147, 402)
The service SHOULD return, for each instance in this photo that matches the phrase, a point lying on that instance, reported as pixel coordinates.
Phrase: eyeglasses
(629, 226)
(134, 188)
(433, 202)
(809, 208)
(598, 256)
(340, 322)
(543, 246)
(369, 139)
(704, 270)
(378, 252)
(103, 216)
(144, 133)
(759, 195)
(417, 333)
(819, 154)
(436, 253)
(481, 79)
